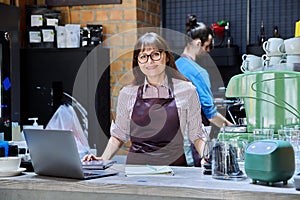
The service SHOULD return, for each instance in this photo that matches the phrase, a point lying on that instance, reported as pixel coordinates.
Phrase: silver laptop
(54, 153)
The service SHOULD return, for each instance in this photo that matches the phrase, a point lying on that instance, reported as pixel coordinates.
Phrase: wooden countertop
(187, 183)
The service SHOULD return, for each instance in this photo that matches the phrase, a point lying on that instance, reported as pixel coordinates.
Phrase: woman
(155, 110)
(199, 39)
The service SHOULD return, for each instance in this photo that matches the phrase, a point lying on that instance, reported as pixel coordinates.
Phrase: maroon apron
(155, 133)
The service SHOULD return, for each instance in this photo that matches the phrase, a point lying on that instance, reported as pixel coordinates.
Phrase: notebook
(148, 170)
(54, 153)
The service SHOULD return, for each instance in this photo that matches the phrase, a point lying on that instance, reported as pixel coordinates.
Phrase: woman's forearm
(112, 148)
(199, 145)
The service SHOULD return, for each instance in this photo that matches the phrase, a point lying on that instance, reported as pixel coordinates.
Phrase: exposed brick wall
(118, 18)
(115, 19)
(5, 1)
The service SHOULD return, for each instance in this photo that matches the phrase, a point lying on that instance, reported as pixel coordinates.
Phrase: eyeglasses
(155, 56)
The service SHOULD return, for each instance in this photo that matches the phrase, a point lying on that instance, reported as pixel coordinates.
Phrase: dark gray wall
(283, 13)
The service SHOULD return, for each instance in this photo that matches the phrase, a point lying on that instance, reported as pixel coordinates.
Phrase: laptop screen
(54, 153)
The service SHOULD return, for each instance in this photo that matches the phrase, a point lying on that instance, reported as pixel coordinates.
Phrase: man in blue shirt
(198, 42)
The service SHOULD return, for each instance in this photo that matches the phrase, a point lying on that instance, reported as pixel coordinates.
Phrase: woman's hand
(112, 147)
(90, 157)
(203, 161)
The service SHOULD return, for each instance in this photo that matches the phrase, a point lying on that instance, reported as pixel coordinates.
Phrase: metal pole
(248, 22)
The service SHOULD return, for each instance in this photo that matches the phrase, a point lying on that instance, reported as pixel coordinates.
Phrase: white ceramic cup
(273, 46)
(293, 58)
(265, 60)
(274, 60)
(10, 163)
(283, 60)
(251, 62)
(292, 45)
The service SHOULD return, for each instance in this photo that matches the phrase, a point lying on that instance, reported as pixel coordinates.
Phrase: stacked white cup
(251, 63)
(291, 50)
(275, 51)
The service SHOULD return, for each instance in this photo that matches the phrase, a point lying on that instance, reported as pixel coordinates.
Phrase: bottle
(262, 36)
(276, 32)
(228, 35)
(16, 132)
(297, 29)
(35, 125)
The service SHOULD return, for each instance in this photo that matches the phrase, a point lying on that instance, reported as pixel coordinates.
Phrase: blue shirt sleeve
(200, 78)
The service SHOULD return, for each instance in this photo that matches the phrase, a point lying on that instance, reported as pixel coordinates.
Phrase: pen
(151, 167)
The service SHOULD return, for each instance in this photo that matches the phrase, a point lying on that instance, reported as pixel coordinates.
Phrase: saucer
(12, 173)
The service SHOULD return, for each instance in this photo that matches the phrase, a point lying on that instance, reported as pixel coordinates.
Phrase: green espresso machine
(271, 100)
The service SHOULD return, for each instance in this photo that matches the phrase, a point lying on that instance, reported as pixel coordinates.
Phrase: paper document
(132, 170)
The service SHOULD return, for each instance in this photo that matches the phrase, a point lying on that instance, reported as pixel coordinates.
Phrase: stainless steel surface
(235, 129)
